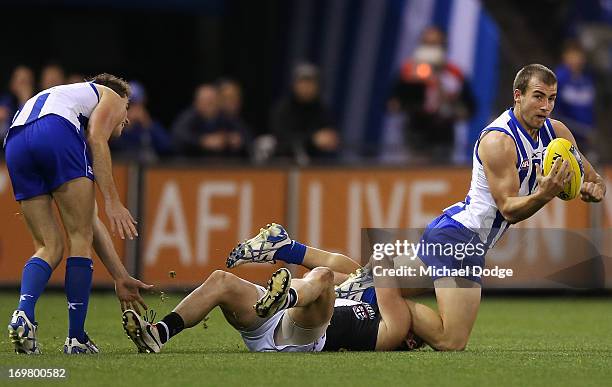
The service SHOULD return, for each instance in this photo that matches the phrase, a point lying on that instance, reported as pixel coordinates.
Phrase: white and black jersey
(353, 327)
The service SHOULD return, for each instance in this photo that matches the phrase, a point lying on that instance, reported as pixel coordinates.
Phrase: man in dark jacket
(302, 124)
(201, 130)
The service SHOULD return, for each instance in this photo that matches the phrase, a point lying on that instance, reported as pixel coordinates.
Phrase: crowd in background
(301, 125)
(429, 97)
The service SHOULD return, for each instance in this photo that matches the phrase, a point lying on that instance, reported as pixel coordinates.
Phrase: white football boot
(276, 296)
(22, 333)
(260, 248)
(357, 283)
(73, 346)
(141, 332)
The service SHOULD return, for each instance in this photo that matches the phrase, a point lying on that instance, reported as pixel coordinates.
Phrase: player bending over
(55, 144)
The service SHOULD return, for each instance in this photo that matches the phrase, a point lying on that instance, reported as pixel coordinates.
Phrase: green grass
(549, 341)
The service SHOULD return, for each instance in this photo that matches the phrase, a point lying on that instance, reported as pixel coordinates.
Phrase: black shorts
(353, 328)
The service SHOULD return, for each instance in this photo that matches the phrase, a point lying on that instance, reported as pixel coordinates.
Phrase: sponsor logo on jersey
(364, 312)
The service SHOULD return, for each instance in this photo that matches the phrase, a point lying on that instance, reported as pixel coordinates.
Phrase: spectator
(230, 95)
(434, 96)
(301, 122)
(575, 104)
(144, 138)
(201, 130)
(21, 88)
(52, 75)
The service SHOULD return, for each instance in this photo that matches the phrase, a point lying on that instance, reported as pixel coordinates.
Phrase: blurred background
(325, 115)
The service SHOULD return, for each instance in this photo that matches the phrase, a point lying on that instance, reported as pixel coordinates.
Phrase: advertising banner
(195, 217)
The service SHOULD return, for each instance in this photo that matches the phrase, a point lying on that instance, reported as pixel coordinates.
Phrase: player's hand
(121, 220)
(592, 192)
(552, 184)
(128, 293)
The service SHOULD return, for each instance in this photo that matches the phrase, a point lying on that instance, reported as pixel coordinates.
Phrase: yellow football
(560, 147)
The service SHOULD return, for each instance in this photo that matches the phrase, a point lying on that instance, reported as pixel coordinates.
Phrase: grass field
(516, 341)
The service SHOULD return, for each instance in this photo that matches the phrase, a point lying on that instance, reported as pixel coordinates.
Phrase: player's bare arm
(395, 324)
(593, 187)
(107, 118)
(127, 288)
(498, 154)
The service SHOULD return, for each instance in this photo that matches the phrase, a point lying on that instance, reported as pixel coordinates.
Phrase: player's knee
(220, 277)
(82, 236)
(54, 246)
(453, 344)
(324, 275)
(80, 241)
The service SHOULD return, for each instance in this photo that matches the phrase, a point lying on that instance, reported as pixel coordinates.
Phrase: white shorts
(279, 333)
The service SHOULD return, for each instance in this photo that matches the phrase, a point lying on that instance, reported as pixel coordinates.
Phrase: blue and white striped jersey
(74, 102)
(478, 211)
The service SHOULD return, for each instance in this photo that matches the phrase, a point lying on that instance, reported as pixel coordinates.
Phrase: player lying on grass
(291, 315)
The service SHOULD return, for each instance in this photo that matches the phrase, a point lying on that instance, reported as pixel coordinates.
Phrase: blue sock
(79, 272)
(34, 278)
(292, 253)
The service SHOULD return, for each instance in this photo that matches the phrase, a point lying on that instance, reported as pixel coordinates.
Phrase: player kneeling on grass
(291, 315)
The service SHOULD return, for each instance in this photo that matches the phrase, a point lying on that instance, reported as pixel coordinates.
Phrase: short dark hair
(118, 85)
(541, 72)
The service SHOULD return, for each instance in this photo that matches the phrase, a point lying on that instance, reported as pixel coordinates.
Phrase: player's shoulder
(71, 86)
(496, 146)
(77, 90)
(497, 139)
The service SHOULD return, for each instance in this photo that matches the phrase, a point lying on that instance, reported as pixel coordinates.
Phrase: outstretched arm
(126, 287)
